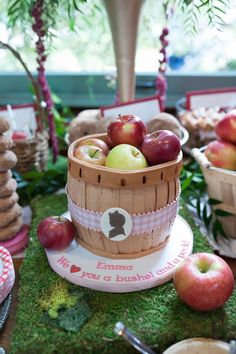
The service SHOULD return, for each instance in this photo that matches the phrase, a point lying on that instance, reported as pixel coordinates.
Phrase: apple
(204, 281)
(18, 135)
(96, 142)
(125, 157)
(221, 154)
(127, 129)
(160, 146)
(225, 129)
(91, 154)
(56, 232)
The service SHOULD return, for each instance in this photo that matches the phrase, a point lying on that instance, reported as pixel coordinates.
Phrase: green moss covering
(156, 315)
(58, 296)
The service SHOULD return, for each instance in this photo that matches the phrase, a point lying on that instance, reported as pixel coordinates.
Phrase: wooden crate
(99, 188)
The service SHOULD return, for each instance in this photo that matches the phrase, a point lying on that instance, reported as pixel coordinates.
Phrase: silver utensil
(123, 331)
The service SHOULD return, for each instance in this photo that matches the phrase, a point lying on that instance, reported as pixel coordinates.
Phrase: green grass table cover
(48, 304)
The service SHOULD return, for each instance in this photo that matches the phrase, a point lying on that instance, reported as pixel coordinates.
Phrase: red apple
(160, 146)
(56, 232)
(221, 154)
(18, 135)
(204, 281)
(127, 129)
(91, 154)
(96, 142)
(226, 128)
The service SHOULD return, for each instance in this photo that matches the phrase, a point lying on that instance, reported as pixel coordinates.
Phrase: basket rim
(113, 170)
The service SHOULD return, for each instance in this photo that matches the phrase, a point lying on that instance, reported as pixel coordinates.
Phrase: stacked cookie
(10, 211)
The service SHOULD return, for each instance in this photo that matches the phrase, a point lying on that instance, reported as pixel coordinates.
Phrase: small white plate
(199, 346)
(184, 136)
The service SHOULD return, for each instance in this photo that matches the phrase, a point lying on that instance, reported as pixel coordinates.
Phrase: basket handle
(200, 158)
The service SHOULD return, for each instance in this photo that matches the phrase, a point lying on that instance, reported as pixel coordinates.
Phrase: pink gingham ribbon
(141, 223)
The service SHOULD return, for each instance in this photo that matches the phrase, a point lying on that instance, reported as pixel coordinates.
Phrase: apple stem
(203, 267)
(136, 154)
(95, 153)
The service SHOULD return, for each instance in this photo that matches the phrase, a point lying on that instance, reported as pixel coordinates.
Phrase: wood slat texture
(101, 175)
(97, 188)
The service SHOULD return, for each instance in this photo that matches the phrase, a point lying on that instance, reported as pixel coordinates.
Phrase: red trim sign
(223, 98)
(21, 117)
(145, 108)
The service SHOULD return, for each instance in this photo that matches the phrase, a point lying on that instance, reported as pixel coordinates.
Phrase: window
(81, 64)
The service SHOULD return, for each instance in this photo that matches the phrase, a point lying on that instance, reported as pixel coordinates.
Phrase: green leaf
(224, 2)
(33, 175)
(208, 221)
(199, 208)
(202, 5)
(13, 7)
(219, 9)
(221, 230)
(215, 229)
(223, 213)
(198, 179)
(72, 24)
(221, 22)
(60, 165)
(218, 230)
(206, 218)
(56, 99)
(191, 203)
(187, 182)
(75, 5)
(187, 2)
(212, 201)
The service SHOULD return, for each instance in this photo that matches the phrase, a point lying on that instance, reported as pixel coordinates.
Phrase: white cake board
(81, 267)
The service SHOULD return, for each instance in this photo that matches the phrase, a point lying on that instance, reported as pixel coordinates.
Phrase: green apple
(125, 157)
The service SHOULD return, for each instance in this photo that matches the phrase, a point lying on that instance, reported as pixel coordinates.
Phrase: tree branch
(35, 85)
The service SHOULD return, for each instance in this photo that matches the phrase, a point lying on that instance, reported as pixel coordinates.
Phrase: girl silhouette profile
(117, 221)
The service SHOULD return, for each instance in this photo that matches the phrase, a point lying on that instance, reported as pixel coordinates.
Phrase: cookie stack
(11, 220)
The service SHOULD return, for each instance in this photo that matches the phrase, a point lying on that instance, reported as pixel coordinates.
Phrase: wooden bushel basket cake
(148, 196)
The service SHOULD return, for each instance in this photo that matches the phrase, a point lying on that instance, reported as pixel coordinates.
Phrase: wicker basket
(221, 185)
(32, 153)
(97, 188)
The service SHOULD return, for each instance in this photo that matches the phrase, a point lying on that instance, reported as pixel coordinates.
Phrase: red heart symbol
(74, 269)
